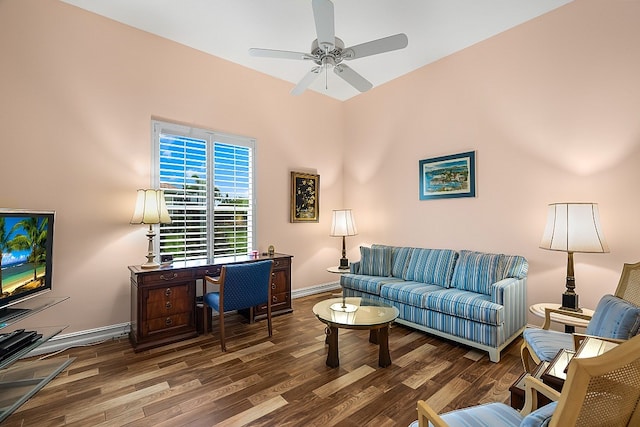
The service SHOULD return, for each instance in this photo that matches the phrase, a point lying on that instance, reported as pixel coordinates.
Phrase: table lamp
(151, 209)
(573, 227)
(343, 225)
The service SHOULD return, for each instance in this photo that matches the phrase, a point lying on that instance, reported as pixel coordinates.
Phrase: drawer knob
(168, 292)
(163, 277)
(168, 321)
(273, 286)
(274, 299)
(168, 305)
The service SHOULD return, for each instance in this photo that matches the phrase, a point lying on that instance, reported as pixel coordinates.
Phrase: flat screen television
(26, 244)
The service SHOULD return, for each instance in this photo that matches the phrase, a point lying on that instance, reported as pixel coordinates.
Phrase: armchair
(616, 317)
(599, 391)
(241, 286)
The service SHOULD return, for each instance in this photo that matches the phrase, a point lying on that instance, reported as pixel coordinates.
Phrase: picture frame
(305, 197)
(448, 176)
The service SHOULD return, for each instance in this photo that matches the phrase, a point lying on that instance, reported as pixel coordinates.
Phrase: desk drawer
(169, 300)
(168, 277)
(165, 323)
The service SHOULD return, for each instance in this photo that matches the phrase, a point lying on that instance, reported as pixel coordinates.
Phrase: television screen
(26, 244)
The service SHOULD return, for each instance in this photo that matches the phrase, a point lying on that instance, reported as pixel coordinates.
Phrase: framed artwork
(305, 197)
(448, 176)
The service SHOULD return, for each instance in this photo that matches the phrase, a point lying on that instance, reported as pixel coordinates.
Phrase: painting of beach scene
(448, 176)
(23, 259)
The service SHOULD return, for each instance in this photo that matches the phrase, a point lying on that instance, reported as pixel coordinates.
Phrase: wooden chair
(599, 391)
(543, 344)
(242, 286)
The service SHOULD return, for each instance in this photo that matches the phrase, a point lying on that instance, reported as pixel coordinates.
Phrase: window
(208, 180)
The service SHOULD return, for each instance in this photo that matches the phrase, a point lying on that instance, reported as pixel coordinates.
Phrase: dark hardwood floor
(282, 381)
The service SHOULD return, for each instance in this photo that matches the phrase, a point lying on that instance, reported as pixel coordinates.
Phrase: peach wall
(78, 95)
(551, 109)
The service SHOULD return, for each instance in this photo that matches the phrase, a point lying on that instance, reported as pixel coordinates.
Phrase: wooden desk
(163, 300)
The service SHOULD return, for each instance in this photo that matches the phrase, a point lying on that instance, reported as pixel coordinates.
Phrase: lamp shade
(151, 208)
(574, 227)
(343, 224)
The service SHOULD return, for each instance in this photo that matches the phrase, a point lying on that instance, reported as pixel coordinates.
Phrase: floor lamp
(573, 227)
(343, 225)
(151, 209)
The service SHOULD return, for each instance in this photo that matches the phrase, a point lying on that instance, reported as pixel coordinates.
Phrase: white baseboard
(93, 336)
(317, 289)
(81, 338)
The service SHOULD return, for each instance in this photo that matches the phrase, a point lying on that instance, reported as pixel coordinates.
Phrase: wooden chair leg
(269, 321)
(223, 345)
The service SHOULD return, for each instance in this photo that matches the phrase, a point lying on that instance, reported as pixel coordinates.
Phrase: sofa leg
(494, 356)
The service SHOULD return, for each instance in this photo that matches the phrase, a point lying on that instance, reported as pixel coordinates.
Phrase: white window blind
(208, 180)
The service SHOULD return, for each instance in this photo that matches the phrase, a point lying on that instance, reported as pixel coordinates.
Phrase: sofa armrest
(354, 268)
(511, 293)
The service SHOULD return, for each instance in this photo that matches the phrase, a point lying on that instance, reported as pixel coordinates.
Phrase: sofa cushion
(477, 271)
(432, 266)
(368, 284)
(375, 261)
(514, 266)
(614, 318)
(469, 305)
(399, 258)
(412, 293)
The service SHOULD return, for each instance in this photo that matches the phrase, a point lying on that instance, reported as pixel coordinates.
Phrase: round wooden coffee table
(356, 313)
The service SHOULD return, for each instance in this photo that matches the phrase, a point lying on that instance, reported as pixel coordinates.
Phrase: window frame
(159, 127)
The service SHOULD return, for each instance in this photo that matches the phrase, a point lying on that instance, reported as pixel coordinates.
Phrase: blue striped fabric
(614, 318)
(512, 295)
(477, 271)
(354, 267)
(514, 266)
(375, 261)
(470, 305)
(546, 343)
(368, 284)
(399, 258)
(540, 417)
(488, 415)
(413, 293)
(432, 266)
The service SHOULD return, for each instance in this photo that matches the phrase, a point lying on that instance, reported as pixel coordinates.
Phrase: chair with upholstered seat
(599, 391)
(241, 286)
(616, 317)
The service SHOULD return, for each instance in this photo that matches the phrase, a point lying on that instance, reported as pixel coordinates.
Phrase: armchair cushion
(545, 343)
(614, 318)
(540, 417)
(375, 261)
(487, 415)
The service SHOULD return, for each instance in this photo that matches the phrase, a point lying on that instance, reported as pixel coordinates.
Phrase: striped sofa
(474, 298)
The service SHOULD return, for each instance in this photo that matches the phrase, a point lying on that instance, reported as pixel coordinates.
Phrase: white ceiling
(228, 28)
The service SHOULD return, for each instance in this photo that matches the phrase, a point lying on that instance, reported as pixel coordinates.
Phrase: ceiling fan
(328, 51)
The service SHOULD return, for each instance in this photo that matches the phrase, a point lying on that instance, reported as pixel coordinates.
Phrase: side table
(517, 389)
(337, 270)
(569, 322)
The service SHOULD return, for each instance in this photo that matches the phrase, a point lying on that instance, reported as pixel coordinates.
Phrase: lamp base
(344, 264)
(149, 265)
(570, 302)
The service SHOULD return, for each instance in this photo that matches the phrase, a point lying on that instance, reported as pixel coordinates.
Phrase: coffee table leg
(373, 336)
(332, 339)
(384, 358)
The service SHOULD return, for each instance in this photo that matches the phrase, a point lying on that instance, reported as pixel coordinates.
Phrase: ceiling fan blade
(283, 54)
(354, 79)
(306, 81)
(386, 44)
(325, 27)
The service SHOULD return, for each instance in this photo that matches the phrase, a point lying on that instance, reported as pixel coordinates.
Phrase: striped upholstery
(496, 415)
(367, 284)
(399, 258)
(476, 271)
(514, 266)
(420, 287)
(432, 266)
(470, 305)
(375, 261)
(614, 318)
(412, 293)
(546, 343)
